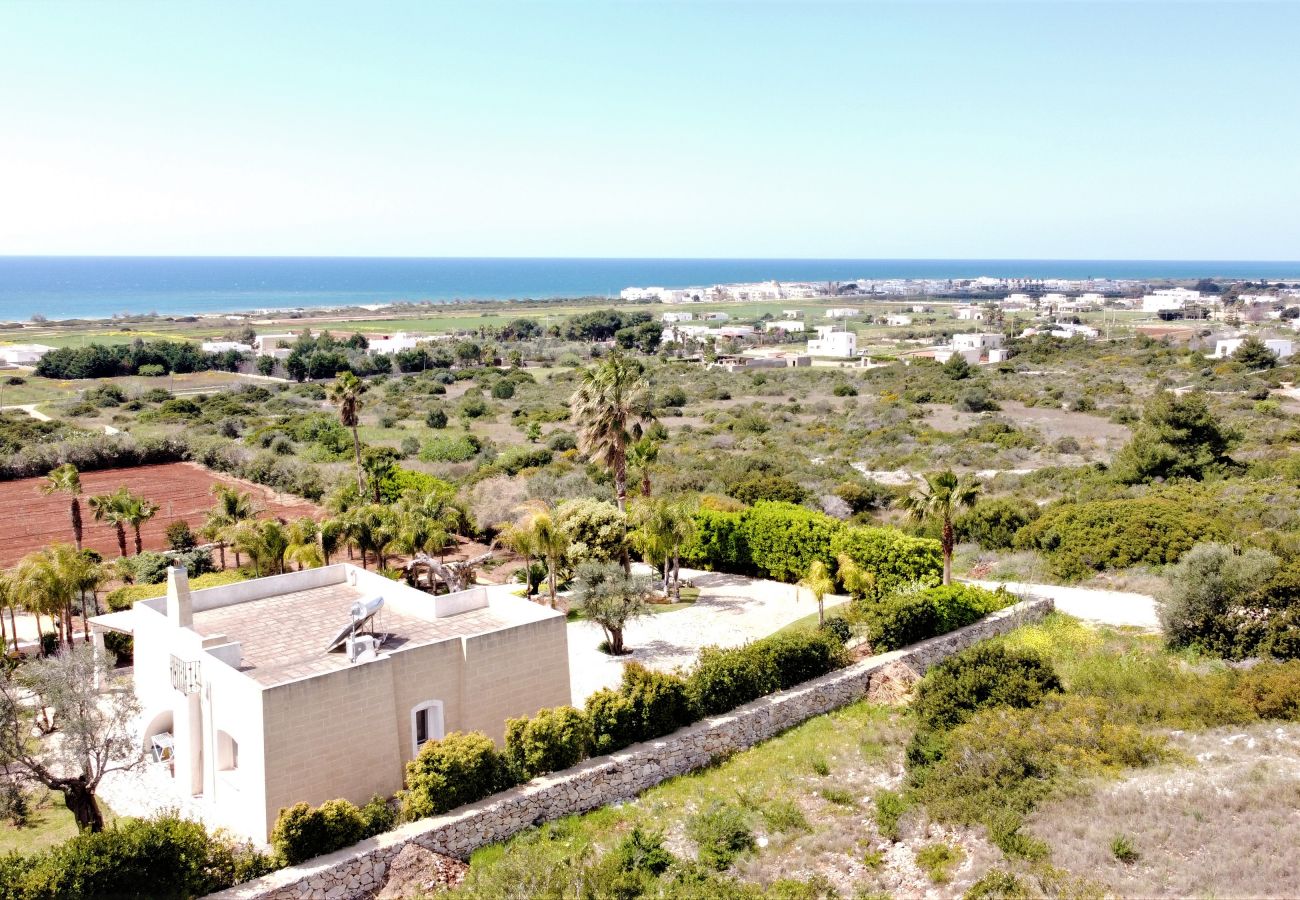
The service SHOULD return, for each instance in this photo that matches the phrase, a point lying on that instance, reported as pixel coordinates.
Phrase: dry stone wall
(361, 869)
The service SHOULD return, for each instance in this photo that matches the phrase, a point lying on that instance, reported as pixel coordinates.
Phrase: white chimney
(180, 608)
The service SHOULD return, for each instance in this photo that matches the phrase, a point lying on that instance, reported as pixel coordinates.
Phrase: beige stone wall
(357, 871)
(513, 673)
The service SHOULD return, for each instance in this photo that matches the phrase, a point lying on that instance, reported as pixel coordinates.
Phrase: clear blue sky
(616, 129)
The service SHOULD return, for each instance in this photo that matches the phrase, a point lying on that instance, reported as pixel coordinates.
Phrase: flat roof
(283, 637)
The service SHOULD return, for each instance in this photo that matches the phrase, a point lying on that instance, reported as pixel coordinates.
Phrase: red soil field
(30, 520)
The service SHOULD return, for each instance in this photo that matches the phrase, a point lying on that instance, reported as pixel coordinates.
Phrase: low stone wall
(357, 871)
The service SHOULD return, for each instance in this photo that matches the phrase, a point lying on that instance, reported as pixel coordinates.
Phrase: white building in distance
(1169, 299)
(969, 312)
(1282, 349)
(224, 346)
(843, 312)
(677, 317)
(23, 354)
(898, 320)
(833, 342)
(784, 325)
(976, 341)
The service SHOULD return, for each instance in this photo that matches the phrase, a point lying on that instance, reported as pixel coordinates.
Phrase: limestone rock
(417, 872)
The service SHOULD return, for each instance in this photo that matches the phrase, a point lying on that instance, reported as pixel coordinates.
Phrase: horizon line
(990, 259)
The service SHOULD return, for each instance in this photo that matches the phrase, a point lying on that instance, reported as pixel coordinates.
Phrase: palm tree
(547, 540)
(233, 507)
(304, 548)
(609, 409)
(819, 583)
(640, 456)
(346, 393)
(136, 511)
(266, 544)
(938, 496)
(8, 600)
(67, 480)
(48, 579)
(87, 575)
(110, 509)
(521, 539)
(331, 534)
(654, 534)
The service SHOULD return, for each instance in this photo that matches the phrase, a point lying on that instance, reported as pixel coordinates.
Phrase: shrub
(976, 400)
(503, 390)
(999, 884)
(613, 722)
(180, 537)
(459, 769)
(937, 860)
(151, 568)
(436, 418)
(163, 857)
(844, 390)
(719, 542)
(984, 675)
(515, 459)
(551, 740)
(1179, 437)
(993, 523)
(1123, 849)
(596, 530)
(894, 559)
(758, 486)
(450, 448)
(797, 656)
(721, 833)
(302, 831)
(907, 617)
(1080, 538)
(560, 441)
(1212, 602)
(724, 678)
(658, 701)
(890, 807)
(629, 870)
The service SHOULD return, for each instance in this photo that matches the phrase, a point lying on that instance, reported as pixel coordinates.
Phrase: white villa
(224, 346)
(784, 325)
(843, 312)
(832, 342)
(324, 683)
(1169, 299)
(977, 341)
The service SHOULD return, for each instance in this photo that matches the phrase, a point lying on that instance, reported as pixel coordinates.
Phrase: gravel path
(1102, 607)
(731, 610)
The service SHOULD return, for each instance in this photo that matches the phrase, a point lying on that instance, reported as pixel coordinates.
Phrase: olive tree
(611, 598)
(93, 729)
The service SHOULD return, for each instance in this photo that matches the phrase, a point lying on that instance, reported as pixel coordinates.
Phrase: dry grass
(1225, 825)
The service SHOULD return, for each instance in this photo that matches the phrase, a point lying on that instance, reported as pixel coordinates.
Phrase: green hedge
(910, 616)
(726, 678)
(646, 705)
(781, 540)
(1080, 538)
(893, 558)
(126, 597)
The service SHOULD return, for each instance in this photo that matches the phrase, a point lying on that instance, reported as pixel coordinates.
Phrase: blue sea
(100, 287)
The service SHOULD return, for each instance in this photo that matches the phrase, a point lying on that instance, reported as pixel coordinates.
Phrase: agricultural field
(30, 520)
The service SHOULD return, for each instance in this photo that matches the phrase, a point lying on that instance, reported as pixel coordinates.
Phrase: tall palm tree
(67, 480)
(332, 533)
(111, 509)
(609, 408)
(938, 496)
(137, 511)
(345, 393)
(663, 528)
(87, 576)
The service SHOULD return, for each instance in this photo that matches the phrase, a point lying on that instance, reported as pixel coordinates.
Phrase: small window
(227, 752)
(426, 724)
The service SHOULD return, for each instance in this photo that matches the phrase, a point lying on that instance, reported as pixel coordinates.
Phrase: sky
(839, 130)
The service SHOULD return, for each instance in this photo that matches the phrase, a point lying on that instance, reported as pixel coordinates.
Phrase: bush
(758, 486)
(658, 701)
(993, 523)
(1080, 538)
(1231, 604)
(303, 832)
(551, 740)
(436, 418)
(503, 390)
(797, 656)
(719, 542)
(724, 678)
(459, 769)
(450, 448)
(721, 833)
(151, 568)
(976, 400)
(907, 617)
(596, 530)
(561, 441)
(163, 857)
(180, 537)
(894, 559)
(985, 675)
(515, 459)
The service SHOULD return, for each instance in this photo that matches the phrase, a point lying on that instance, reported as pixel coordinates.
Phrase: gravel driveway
(1103, 607)
(731, 610)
